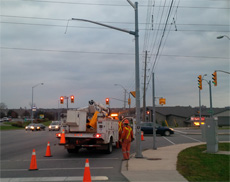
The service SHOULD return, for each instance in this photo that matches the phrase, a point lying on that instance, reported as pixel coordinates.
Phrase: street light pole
(32, 115)
(137, 79)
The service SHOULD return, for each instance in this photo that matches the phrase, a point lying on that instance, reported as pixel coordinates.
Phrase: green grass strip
(196, 165)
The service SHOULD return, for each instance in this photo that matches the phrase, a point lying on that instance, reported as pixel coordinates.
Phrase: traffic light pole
(137, 78)
(154, 115)
(210, 95)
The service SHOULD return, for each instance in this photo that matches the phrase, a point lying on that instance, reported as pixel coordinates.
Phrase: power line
(63, 26)
(114, 53)
(58, 19)
(124, 5)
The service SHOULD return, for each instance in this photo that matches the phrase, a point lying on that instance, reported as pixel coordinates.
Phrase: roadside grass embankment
(19, 125)
(197, 165)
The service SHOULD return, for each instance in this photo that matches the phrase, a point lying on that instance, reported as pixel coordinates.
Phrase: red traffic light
(107, 101)
(61, 100)
(72, 99)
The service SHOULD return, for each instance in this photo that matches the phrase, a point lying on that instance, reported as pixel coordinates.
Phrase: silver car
(55, 125)
(31, 126)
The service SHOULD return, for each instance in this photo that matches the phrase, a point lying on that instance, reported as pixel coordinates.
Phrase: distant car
(55, 125)
(5, 119)
(40, 126)
(147, 128)
(31, 126)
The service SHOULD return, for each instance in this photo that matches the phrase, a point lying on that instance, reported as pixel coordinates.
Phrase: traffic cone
(33, 163)
(142, 136)
(62, 140)
(87, 176)
(48, 152)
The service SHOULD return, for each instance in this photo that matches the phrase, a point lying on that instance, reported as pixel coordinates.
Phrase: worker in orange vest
(127, 138)
(120, 128)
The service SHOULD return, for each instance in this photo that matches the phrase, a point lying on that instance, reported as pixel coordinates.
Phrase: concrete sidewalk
(156, 165)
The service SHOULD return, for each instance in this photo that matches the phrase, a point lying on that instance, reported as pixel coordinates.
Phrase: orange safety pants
(126, 150)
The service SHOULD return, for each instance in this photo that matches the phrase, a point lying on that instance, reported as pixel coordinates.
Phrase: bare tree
(3, 105)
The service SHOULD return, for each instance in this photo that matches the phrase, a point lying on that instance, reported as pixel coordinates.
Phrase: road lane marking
(25, 160)
(180, 132)
(51, 169)
(169, 140)
(55, 179)
(191, 138)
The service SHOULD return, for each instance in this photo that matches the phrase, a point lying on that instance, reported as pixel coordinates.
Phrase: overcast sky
(86, 60)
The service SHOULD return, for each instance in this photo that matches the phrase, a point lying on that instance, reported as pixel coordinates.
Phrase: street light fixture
(32, 116)
(125, 91)
(222, 36)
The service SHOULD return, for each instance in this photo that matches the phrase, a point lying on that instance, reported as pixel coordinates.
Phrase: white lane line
(191, 138)
(56, 179)
(169, 140)
(51, 169)
(25, 160)
(180, 132)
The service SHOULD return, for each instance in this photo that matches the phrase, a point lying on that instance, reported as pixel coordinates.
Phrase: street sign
(197, 119)
(133, 93)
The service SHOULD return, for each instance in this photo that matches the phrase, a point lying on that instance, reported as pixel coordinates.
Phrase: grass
(196, 165)
(18, 125)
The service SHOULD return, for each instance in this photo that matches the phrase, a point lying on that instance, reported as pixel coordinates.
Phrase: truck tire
(110, 146)
(70, 151)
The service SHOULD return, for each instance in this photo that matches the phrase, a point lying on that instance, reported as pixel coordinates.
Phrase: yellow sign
(133, 93)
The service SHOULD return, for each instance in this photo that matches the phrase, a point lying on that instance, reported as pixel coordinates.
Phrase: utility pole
(144, 91)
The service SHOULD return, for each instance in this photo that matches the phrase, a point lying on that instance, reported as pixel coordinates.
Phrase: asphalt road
(17, 146)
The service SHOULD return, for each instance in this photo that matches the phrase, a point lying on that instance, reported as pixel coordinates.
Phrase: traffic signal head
(72, 99)
(61, 100)
(214, 78)
(129, 101)
(107, 101)
(200, 82)
(162, 101)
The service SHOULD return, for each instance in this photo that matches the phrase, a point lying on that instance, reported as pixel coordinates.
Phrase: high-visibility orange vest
(120, 126)
(127, 133)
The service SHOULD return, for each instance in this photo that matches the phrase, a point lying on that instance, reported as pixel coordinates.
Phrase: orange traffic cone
(142, 136)
(62, 140)
(48, 152)
(33, 163)
(87, 176)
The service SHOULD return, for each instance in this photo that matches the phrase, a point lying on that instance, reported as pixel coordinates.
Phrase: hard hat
(126, 121)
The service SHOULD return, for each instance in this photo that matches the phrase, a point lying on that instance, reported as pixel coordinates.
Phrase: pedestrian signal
(162, 101)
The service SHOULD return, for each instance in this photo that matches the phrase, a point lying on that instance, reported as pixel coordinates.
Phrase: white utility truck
(90, 127)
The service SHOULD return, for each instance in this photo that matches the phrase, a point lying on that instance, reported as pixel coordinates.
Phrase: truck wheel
(73, 150)
(110, 146)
